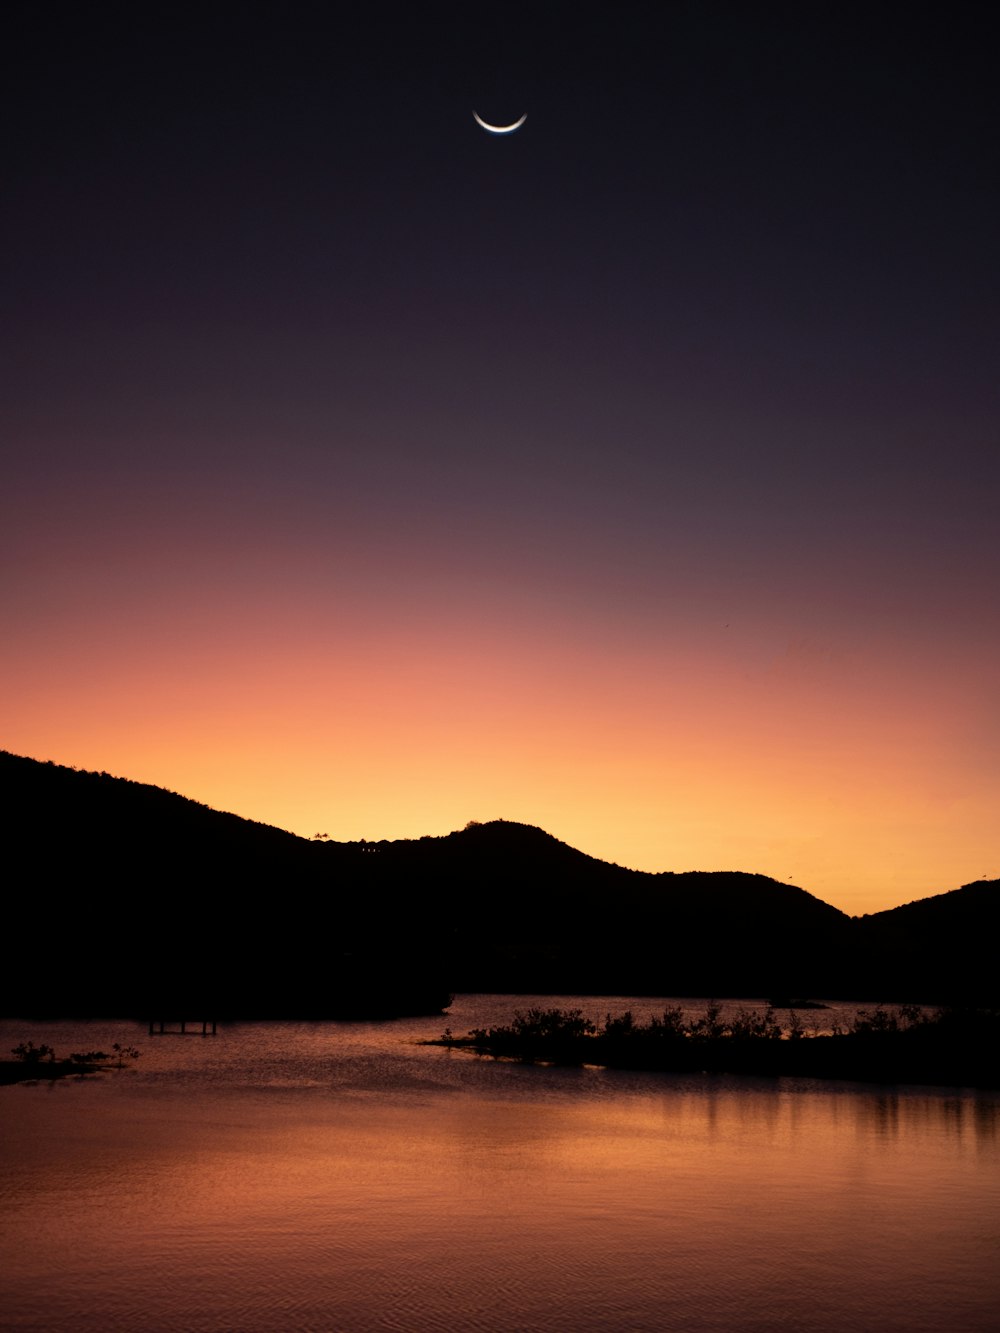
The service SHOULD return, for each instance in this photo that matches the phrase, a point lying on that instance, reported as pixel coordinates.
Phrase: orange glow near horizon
(687, 750)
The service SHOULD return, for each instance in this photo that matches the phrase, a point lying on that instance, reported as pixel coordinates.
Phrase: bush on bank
(905, 1044)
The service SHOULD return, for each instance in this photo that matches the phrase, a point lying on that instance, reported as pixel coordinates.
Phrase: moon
(499, 129)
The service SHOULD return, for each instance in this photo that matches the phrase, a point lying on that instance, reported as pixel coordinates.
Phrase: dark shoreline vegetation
(34, 1063)
(957, 1047)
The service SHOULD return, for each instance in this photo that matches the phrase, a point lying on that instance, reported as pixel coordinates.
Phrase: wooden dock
(182, 1027)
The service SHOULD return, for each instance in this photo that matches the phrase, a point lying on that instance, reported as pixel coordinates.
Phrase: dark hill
(522, 911)
(70, 813)
(129, 896)
(944, 947)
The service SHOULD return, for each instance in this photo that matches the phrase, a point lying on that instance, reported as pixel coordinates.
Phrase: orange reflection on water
(586, 1207)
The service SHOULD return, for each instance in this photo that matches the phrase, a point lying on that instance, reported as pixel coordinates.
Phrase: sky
(633, 475)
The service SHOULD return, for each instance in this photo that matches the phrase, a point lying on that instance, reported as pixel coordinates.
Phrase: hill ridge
(231, 907)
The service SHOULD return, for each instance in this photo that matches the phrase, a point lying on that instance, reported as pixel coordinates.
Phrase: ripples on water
(343, 1177)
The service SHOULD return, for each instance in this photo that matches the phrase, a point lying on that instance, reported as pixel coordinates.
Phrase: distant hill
(129, 895)
(945, 947)
(125, 895)
(528, 913)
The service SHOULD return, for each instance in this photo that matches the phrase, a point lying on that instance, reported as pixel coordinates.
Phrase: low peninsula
(951, 1047)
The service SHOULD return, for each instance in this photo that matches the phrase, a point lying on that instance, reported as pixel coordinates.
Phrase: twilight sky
(634, 475)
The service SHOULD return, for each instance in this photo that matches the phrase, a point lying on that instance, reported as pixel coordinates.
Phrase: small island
(954, 1047)
(32, 1063)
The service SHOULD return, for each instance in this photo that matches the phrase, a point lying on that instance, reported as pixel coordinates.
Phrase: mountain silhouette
(529, 913)
(130, 898)
(944, 946)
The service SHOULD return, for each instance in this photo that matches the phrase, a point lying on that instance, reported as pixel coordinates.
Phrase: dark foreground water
(341, 1177)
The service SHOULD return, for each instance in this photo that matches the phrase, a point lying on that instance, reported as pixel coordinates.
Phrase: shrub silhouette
(32, 1054)
(901, 1045)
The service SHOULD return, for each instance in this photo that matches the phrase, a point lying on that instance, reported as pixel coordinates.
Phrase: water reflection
(317, 1177)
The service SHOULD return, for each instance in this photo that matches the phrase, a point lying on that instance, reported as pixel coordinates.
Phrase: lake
(340, 1176)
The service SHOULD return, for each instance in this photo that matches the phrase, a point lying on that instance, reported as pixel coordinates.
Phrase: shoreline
(953, 1048)
(44, 1071)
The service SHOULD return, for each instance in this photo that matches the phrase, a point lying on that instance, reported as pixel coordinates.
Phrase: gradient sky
(634, 475)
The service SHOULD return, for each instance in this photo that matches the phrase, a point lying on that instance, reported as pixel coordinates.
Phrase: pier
(183, 1027)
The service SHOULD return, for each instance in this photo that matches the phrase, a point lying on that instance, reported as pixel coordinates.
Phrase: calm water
(341, 1177)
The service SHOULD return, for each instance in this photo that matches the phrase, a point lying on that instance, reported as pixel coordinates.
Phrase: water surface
(344, 1177)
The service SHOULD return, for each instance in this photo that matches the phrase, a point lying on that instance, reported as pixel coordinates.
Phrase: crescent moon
(499, 129)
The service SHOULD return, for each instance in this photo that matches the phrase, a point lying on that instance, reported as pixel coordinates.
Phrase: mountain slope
(944, 945)
(526, 912)
(126, 893)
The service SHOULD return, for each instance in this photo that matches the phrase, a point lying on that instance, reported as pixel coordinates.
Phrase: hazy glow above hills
(693, 767)
(388, 679)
